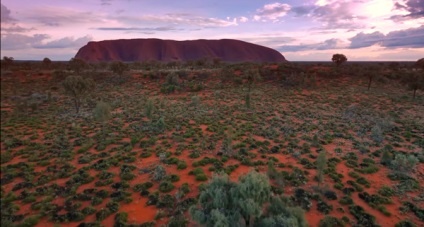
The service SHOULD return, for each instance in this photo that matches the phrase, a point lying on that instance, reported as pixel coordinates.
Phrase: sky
(309, 30)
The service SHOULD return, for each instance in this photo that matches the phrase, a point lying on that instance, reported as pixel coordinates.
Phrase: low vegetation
(210, 143)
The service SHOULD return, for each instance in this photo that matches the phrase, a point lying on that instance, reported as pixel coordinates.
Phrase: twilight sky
(309, 30)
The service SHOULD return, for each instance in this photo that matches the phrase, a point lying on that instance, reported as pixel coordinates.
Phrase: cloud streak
(165, 28)
(58, 16)
(178, 19)
(326, 45)
(273, 11)
(38, 41)
(66, 42)
(411, 38)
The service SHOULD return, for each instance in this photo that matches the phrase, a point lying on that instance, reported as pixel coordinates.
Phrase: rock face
(129, 50)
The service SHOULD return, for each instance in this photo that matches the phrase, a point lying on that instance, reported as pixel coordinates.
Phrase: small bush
(323, 207)
(102, 214)
(201, 177)
(166, 186)
(330, 195)
(121, 219)
(159, 173)
(386, 191)
(181, 165)
(404, 163)
(405, 223)
(346, 200)
(329, 221)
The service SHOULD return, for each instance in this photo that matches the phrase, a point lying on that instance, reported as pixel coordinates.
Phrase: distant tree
(118, 67)
(78, 87)
(321, 165)
(173, 79)
(216, 61)
(59, 75)
(370, 72)
(414, 80)
(149, 108)
(394, 66)
(339, 59)
(46, 63)
(226, 74)
(420, 63)
(251, 76)
(201, 62)
(7, 62)
(102, 111)
(226, 146)
(77, 65)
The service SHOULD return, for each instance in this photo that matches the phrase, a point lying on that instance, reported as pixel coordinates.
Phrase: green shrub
(177, 221)
(96, 201)
(414, 208)
(102, 194)
(159, 173)
(112, 206)
(329, 221)
(160, 214)
(173, 178)
(353, 174)
(404, 163)
(121, 219)
(143, 186)
(102, 214)
(102, 111)
(386, 191)
(29, 221)
(201, 177)
(346, 200)
(185, 188)
(405, 223)
(323, 207)
(330, 195)
(166, 186)
(363, 181)
(88, 210)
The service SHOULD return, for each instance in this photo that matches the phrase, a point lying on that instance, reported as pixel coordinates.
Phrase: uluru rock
(130, 50)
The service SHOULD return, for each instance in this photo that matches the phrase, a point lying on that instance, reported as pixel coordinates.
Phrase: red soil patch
(137, 211)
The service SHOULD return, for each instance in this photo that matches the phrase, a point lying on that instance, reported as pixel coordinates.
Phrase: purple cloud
(5, 15)
(365, 40)
(338, 15)
(178, 19)
(415, 9)
(19, 41)
(37, 41)
(328, 44)
(412, 38)
(272, 11)
(67, 42)
(55, 17)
